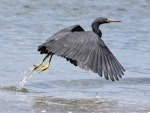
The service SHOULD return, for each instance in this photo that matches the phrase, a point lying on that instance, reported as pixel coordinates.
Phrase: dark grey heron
(82, 48)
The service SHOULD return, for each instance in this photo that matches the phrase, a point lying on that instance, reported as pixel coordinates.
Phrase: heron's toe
(44, 67)
(32, 69)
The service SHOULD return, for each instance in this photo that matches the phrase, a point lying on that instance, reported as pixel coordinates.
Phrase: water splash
(26, 76)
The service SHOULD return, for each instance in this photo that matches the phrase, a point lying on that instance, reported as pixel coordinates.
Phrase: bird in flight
(85, 49)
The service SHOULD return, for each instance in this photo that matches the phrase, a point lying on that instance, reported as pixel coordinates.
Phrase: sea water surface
(64, 88)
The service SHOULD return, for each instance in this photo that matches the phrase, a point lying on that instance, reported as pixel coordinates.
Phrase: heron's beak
(112, 20)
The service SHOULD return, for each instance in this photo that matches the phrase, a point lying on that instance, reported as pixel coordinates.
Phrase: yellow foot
(43, 68)
(32, 69)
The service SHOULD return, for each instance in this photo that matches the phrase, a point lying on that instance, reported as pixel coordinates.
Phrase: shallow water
(64, 88)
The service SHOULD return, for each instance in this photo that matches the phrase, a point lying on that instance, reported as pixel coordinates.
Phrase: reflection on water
(64, 88)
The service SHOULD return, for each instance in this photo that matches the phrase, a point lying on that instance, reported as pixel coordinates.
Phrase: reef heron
(82, 48)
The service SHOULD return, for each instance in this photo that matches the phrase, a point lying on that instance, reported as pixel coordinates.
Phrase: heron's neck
(95, 28)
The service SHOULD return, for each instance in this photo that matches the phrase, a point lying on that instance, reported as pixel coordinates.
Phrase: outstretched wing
(87, 51)
(64, 32)
(60, 34)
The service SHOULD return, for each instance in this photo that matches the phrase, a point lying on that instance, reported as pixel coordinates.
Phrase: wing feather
(85, 50)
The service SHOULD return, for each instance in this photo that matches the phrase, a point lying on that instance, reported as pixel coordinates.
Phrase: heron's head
(102, 20)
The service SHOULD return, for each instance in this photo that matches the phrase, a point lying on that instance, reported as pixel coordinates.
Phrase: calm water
(25, 24)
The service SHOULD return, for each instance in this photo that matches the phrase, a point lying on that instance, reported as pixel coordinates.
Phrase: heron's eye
(106, 19)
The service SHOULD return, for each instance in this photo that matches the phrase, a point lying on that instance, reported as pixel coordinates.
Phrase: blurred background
(63, 88)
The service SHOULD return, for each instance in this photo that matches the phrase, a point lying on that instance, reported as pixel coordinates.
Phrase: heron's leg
(38, 65)
(44, 67)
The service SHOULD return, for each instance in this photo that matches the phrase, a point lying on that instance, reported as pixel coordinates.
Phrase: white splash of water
(26, 76)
